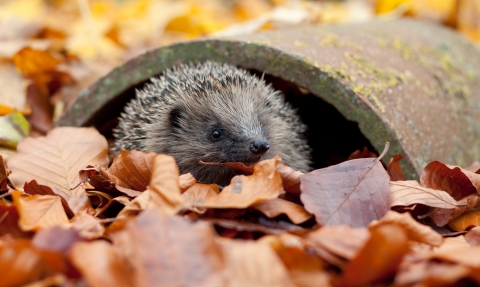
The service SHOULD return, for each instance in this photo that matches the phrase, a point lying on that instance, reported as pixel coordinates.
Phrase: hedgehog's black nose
(259, 146)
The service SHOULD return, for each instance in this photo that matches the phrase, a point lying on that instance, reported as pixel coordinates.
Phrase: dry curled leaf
(243, 191)
(54, 160)
(133, 169)
(370, 266)
(409, 192)
(394, 169)
(466, 221)
(414, 230)
(276, 206)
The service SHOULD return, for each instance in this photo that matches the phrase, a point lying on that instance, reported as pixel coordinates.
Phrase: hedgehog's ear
(175, 116)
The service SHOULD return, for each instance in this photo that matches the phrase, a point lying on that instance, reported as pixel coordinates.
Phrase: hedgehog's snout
(259, 146)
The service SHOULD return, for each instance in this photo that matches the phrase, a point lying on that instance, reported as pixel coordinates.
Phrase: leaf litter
(161, 226)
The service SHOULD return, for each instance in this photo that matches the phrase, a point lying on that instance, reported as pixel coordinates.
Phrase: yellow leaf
(30, 61)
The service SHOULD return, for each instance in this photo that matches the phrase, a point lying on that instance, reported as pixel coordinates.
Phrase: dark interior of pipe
(330, 135)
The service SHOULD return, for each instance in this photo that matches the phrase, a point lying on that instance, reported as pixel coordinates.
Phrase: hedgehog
(212, 112)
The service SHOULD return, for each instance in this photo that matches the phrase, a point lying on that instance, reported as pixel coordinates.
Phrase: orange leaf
(253, 263)
(276, 206)
(39, 211)
(133, 169)
(9, 222)
(164, 190)
(290, 178)
(30, 61)
(55, 160)
(100, 265)
(465, 221)
(371, 266)
(243, 191)
(199, 192)
(414, 230)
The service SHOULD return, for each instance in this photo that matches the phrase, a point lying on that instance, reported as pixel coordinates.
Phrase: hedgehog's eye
(216, 134)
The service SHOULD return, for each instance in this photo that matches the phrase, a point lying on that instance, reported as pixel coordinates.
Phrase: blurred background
(50, 50)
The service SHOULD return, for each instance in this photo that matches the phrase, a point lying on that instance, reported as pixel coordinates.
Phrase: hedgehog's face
(227, 130)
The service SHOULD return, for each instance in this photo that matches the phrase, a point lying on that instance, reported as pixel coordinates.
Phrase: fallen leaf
(41, 116)
(39, 211)
(163, 192)
(133, 169)
(101, 265)
(394, 169)
(276, 206)
(354, 192)
(185, 181)
(405, 193)
(12, 94)
(9, 222)
(442, 216)
(186, 253)
(197, 193)
(465, 221)
(87, 225)
(55, 160)
(253, 227)
(473, 236)
(414, 230)
(22, 263)
(457, 250)
(371, 266)
(290, 178)
(30, 61)
(243, 191)
(305, 268)
(13, 129)
(454, 180)
(57, 238)
(252, 263)
(4, 173)
(101, 180)
(365, 153)
(337, 241)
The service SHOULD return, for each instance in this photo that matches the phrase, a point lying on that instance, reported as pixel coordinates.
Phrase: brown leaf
(290, 178)
(243, 191)
(441, 216)
(55, 160)
(186, 253)
(337, 241)
(101, 265)
(409, 192)
(41, 116)
(71, 204)
(253, 263)
(254, 227)
(240, 166)
(457, 250)
(473, 236)
(164, 190)
(354, 192)
(371, 266)
(101, 180)
(9, 222)
(185, 181)
(454, 180)
(4, 173)
(305, 268)
(414, 230)
(57, 238)
(364, 153)
(276, 206)
(394, 169)
(22, 263)
(87, 225)
(39, 211)
(199, 192)
(133, 169)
